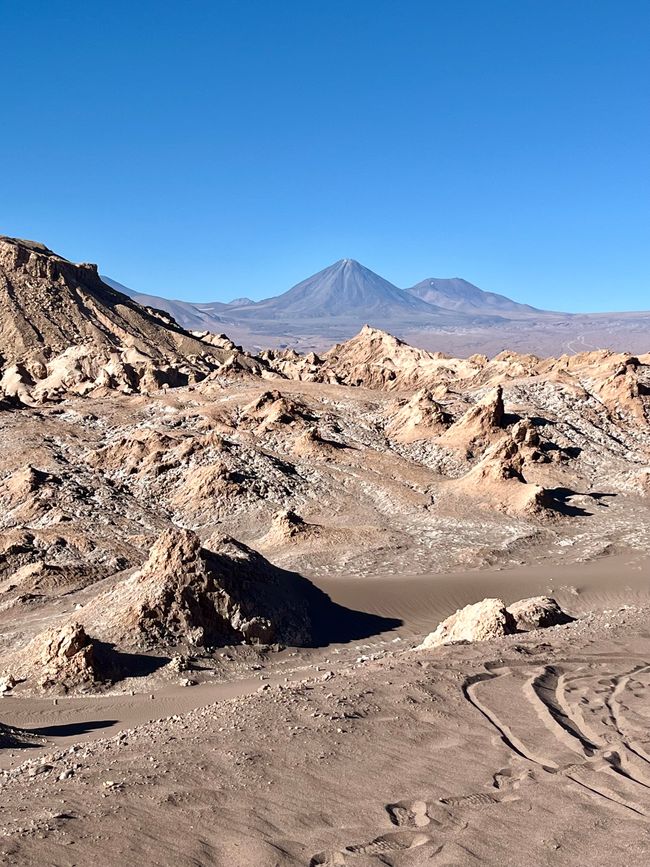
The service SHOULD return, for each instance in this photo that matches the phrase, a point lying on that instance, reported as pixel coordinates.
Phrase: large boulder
(538, 612)
(478, 622)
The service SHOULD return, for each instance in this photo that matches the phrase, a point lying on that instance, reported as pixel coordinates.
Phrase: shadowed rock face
(187, 592)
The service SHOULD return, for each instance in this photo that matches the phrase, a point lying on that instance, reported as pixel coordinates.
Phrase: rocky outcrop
(50, 304)
(61, 659)
(63, 330)
(270, 410)
(626, 392)
(377, 359)
(497, 481)
(67, 657)
(286, 526)
(479, 427)
(292, 365)
(310, 444)
(490, 618)
(29, 493)
(185, 593)
(478, 622)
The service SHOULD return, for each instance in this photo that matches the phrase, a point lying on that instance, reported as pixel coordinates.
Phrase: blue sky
(206, 150)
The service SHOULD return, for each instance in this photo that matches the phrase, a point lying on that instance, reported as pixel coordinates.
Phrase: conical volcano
(344, 289)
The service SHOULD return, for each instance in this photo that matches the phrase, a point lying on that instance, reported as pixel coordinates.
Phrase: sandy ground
(528, 750)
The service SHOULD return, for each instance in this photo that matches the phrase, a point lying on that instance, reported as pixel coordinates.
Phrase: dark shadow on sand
(302, 614)
(335, 624)
(115, 664)
(560, 501)
(72, 729)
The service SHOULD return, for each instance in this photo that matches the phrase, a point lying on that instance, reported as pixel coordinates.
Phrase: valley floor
(532, 749)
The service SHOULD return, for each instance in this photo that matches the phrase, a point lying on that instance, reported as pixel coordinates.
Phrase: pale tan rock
(287, 525)
(421, 417)
(62, 657)
(480, 426)
(271, 410)
(478, 622)
(497, 481)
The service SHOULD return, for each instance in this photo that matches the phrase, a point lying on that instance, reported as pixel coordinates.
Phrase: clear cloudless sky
(209, 149)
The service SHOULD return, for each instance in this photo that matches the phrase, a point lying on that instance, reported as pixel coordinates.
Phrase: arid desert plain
(377, 606)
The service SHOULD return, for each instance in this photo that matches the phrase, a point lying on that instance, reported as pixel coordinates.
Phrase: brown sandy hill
(420, 417)
(224, 593)
(63, 329)
(49, 304)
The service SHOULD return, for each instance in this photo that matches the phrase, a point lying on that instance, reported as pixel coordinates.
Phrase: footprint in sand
(388, 843)
(477, 799)
(379, 846)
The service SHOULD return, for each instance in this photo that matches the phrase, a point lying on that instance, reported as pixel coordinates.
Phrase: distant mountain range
(346, 290)
(450, 314)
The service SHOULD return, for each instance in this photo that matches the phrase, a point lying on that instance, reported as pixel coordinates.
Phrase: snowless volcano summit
(446, 314)
(345, 288)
